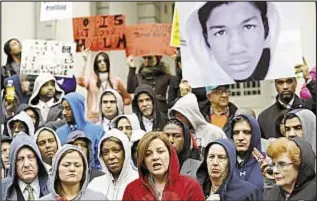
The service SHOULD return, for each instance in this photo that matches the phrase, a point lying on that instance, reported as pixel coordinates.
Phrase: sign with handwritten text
(100, 32)
(48, 56)
(149, 39)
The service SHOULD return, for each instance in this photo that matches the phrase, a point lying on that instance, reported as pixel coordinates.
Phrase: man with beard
(286, 100)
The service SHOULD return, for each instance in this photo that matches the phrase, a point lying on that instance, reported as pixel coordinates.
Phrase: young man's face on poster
(236, 35)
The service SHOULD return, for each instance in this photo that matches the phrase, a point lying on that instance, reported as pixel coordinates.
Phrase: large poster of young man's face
(227, 42)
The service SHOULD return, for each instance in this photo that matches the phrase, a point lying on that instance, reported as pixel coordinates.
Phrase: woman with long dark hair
(100, 80)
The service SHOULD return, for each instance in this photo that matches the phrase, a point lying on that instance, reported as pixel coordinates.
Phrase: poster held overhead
(149, 39)
(100, 33)
(56, 11)
(43, 56)
(175, 36)
(252, 41)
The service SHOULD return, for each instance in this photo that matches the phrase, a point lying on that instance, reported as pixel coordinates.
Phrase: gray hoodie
(188, 107)
(308, 121)
(8, 189)
(120, 106)
(59, 145)
(26, 119)
(54, 118)
(84, 193)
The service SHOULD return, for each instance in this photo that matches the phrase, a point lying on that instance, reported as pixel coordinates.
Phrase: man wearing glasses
(28, 178)
(219, 111)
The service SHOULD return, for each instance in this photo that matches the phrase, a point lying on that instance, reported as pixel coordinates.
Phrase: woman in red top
(159, 177)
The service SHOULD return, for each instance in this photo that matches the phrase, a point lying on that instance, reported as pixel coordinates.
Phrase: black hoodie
(159, 117)
(305, 186)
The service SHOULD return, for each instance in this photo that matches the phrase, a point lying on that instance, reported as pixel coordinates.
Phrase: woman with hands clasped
(217, 175)
(100, 80)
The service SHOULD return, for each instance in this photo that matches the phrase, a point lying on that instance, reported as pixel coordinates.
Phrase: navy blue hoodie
(249, 170)
(232, 188)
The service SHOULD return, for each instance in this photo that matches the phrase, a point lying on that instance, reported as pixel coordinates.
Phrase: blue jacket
(232, 188)
(8, 190)
(249, 170)
(94, 132)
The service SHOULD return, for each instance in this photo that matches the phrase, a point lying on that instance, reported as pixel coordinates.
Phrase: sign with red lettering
(149, 39)
(100, 32)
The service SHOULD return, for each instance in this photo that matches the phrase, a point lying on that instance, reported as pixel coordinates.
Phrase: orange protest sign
(149, 39)
(100, 32)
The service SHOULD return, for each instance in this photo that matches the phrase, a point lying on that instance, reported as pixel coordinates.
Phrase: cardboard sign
(56, 10)
(100, 32)
(43, 56)
(149, 39)
(175, 37)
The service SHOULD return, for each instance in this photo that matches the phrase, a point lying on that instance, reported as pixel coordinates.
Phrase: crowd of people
(179, 142)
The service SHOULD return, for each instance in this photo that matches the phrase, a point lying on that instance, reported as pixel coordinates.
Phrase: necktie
(30, 192)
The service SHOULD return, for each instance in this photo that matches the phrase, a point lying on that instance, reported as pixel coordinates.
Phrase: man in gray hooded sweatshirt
(28, 178)
(301, 123)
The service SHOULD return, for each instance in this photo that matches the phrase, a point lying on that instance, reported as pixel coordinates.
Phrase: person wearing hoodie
(28, 178)
(5, 150)
(21, 86)
(46, 98)
(246, 135)
(187, 110)
(134, 142)
(111, 105)
(48, 143)
(153, 72)
(293, 169)
(21, 122)
(33, 113)
(232, 49)
(97, 82)
(80, 139)
(179, 136)
(8, 110)
(159, 177)
(115, 156)
(217, 174)
(73, 106)
(219, 111)
(301, 123)
(70, 177)
(127, 123)
(145, 106)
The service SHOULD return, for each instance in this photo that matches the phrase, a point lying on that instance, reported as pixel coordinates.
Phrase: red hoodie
(178, 187)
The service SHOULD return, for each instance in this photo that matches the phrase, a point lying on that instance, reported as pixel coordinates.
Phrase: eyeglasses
(280, 165)
(220, 91)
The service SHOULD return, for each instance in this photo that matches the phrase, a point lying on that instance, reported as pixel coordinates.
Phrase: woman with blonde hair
(159, 177)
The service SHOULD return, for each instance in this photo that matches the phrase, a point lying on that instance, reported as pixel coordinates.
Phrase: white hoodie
(201, 68)
(188, 107)
(104, 183)
(24, 117)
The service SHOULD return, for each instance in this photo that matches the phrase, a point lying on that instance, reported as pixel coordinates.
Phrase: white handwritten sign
(43, 56)
(56, 10)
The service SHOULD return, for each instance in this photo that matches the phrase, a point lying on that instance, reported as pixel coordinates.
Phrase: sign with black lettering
(100, 32)
(43, 56)
(56, 10)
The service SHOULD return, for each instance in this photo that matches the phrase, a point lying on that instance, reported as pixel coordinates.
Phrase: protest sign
(219, 50)
(43, 56)
(175, 37)
(100, 32)
(149, 39)
(56, 10)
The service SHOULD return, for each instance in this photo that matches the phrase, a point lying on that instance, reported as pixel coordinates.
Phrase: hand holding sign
(302, 70)
(131, 61)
